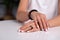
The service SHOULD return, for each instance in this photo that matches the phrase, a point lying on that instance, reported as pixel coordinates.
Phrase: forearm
(54, 22)
(23, 5)
(22, 14)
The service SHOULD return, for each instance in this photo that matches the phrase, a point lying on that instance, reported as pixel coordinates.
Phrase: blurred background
(8, 9)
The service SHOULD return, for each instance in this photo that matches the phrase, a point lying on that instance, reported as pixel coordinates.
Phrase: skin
(40, 22)
(22, 14)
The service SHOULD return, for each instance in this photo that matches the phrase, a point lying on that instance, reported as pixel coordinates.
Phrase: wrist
(32, 11)
(51, 23)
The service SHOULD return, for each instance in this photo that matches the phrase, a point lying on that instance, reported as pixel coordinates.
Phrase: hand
(40, 19)
(29, 27)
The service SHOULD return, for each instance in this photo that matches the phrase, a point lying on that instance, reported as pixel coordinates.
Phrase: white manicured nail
(28, 31)
(21, 31)
(18, 30)
(42, 29)
(46, 29)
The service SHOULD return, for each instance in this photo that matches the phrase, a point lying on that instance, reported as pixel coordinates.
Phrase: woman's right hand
(41, 20)
(29, 27)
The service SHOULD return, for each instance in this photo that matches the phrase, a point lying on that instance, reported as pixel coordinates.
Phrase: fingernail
(18, 30)
(21, 31)
(27, 31)
(46, 29)
(42, 29)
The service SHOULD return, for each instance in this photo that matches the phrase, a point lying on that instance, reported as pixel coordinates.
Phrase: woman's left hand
(29, 27)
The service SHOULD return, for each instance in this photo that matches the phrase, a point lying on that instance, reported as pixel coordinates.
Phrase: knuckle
(43, 15)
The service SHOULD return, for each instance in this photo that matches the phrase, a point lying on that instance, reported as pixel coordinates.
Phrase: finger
(22, 29)
(35, 21)
(40, 23)
(44, 23)
(27, 29)
(37, 26)
(25, 26)
(30, 27)
(33, 30)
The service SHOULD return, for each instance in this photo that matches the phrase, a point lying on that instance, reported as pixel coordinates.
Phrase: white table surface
(8, 31)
